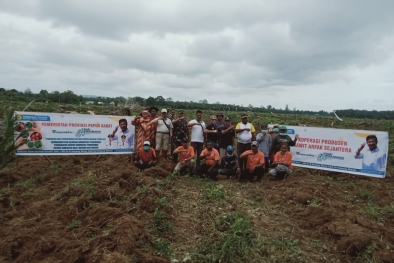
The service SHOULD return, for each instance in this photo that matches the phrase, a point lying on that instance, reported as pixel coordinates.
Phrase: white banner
(337, 150)
(74, 134)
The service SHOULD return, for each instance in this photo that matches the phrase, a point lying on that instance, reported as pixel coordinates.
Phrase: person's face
(244, 120)
(172, 112)
(123, 125)
(123, 139)
(110, 138)
(283, 148)
(185, 145)
(209, 146)
(198, 116)
(230, 152)
(180, 114)
(213, 120)
(220, 117)
(264, 127)
(255, 149)
(228, 123)
(164, 114)
(372, 144)
(145, 115)
(153, 112)
(282, 131)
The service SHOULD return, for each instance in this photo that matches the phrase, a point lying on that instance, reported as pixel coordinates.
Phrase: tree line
(69, 97)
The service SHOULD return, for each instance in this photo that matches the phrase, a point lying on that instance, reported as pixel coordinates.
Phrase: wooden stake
(46, 157)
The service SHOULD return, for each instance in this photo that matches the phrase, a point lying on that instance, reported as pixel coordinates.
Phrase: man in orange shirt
(254, 163)
(210, 167)
(146, 157)
(282, 163)
(186, 157)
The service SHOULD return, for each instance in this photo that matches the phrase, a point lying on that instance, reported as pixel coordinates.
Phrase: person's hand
(153, 162)
(136, 162)
(208, 154)
(247, 129)
(116, 129)
(238, 172)
(362, 146)
(252, 169)
(297, 136)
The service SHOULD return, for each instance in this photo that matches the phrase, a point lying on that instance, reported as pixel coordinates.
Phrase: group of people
(257, 153)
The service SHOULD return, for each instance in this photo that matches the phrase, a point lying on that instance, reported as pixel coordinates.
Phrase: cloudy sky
(333, 54)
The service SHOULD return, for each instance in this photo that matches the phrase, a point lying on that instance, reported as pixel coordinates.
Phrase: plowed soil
(80, 210)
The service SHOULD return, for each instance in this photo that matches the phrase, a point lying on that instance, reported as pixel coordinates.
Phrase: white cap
(163, 110)
(146, 143)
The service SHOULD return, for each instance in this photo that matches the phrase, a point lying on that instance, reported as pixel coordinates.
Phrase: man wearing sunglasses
(246, 134)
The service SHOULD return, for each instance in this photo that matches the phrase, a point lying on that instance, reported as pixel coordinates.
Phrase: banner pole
(46, 157)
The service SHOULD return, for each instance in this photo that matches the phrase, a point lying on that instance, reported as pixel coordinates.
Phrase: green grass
(25, 184)
(214, 192)
(73, 224)
(162, 248)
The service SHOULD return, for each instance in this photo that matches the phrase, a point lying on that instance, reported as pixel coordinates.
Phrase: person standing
(275, 131)
(163, 133)
(145, 130)
(254, 163)
(265, 141)
(212, 133)
(153, 115)
(179, 133)
(210, 167)
(219, 121)
(226, 135)
(186, 157)
(197, 134)
(246, 134)
(172, 115)
(282, 138)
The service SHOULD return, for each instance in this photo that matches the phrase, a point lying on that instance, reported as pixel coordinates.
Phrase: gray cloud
(282, 52)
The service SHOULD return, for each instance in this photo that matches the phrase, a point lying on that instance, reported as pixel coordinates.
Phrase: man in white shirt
(125, 142)
(197, 129)
(374, 159)
(163, 133)
(246, 134)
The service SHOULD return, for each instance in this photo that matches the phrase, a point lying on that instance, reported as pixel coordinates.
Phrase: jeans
(280, 173)
(197, 146)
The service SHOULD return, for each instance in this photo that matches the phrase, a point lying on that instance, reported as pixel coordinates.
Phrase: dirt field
(78, 211)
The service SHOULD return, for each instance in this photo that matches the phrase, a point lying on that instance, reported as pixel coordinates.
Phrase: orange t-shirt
(210, 160)
(146, 156)
(284, 158)
(254, 159)
(185, 155)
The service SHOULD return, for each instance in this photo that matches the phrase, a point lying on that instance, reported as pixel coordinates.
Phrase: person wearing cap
(219, 121)
(265, 141)
(246, 134)
(123, 135)
(146, 157)
(186, 157)
(211, 132)
(229, 164)
(145, 131)
(179, 133)
(211, 158)
(163, 133)
(197, 134)
(226, 135)
(254, 163)
(282, 138)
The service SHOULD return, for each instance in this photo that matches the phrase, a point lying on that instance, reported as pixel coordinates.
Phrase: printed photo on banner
(73, 134)
(348, 151)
